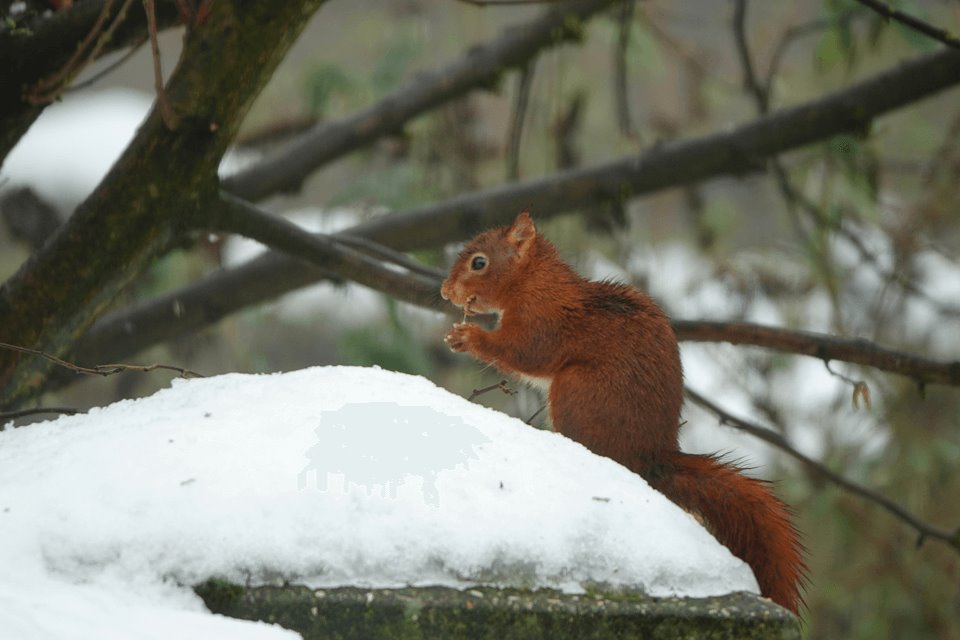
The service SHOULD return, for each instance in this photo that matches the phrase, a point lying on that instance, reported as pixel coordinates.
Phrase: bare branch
(814, 467)
(113, 66)
(886, 10)
(49, 44)
(733, 152)
(750, 81)
(417, 285)
(48, 89)
(502, 385)
(671, 164)
(822, 346)
(481, 67)
(163, 101)
(121, 334)
(101, 369)
(620, 93)
(388, 255)
(535, 414)
(796, 32)
(792, 199)
(522, 99)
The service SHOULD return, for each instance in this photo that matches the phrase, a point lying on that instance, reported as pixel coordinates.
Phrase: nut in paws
(459, 337)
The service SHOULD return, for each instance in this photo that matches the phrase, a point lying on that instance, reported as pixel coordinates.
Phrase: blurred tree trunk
(159, 184)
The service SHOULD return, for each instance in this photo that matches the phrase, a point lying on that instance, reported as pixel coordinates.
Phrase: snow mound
(327, 476)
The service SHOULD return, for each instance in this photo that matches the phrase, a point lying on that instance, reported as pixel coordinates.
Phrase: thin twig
(796, 32)
(107, 36)
(750, 81)
(886, 10)
(940, 158)
(377, 250)
(620, 88)
(502, 385)
(102, 369)
(113, 66)
(924, 529)
(689, 57)
(47, 89)
(167, 111)
(521, 100)
(535, 414)
(761, 96)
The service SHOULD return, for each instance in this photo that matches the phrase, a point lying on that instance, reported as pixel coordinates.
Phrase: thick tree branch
(482, 66)
(416, 285)
(734, 152)
(200, 304)
(161, 181)
(823, 347)
(119, 335)
(924, 529)
(669, 165)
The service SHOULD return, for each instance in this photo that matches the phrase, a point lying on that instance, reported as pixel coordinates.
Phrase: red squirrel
(609, 360)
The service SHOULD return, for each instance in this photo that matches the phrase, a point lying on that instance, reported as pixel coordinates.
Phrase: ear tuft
(522, 233)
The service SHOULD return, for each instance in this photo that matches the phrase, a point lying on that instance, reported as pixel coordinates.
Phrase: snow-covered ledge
(385, 500)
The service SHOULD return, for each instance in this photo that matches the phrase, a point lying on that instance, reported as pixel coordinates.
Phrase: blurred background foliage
(842, 238)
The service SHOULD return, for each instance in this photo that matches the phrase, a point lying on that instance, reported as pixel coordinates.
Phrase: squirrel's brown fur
(609, 361)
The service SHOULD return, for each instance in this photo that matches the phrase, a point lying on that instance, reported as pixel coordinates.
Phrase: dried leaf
(861, 392)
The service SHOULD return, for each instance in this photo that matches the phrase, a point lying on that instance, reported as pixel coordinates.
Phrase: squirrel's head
(487, 268)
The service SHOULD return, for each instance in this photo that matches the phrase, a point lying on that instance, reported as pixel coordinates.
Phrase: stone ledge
(349, 613)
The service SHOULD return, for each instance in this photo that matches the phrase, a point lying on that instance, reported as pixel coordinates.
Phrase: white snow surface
(325, 476)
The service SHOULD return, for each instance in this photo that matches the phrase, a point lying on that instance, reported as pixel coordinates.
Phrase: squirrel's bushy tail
(742, 513)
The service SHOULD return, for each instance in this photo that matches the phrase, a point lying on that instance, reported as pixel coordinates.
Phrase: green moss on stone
(481, 613)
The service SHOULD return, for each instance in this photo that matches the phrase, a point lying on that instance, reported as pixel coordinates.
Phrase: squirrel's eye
(478, 263)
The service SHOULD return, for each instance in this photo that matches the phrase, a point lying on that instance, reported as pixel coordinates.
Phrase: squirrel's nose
(443, 291)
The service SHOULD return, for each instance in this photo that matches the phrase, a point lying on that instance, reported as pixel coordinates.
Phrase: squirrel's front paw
(459, 337)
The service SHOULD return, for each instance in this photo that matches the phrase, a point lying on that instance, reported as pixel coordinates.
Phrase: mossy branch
(156, 188)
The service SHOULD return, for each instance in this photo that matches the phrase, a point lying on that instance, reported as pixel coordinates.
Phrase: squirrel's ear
(522, 232)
